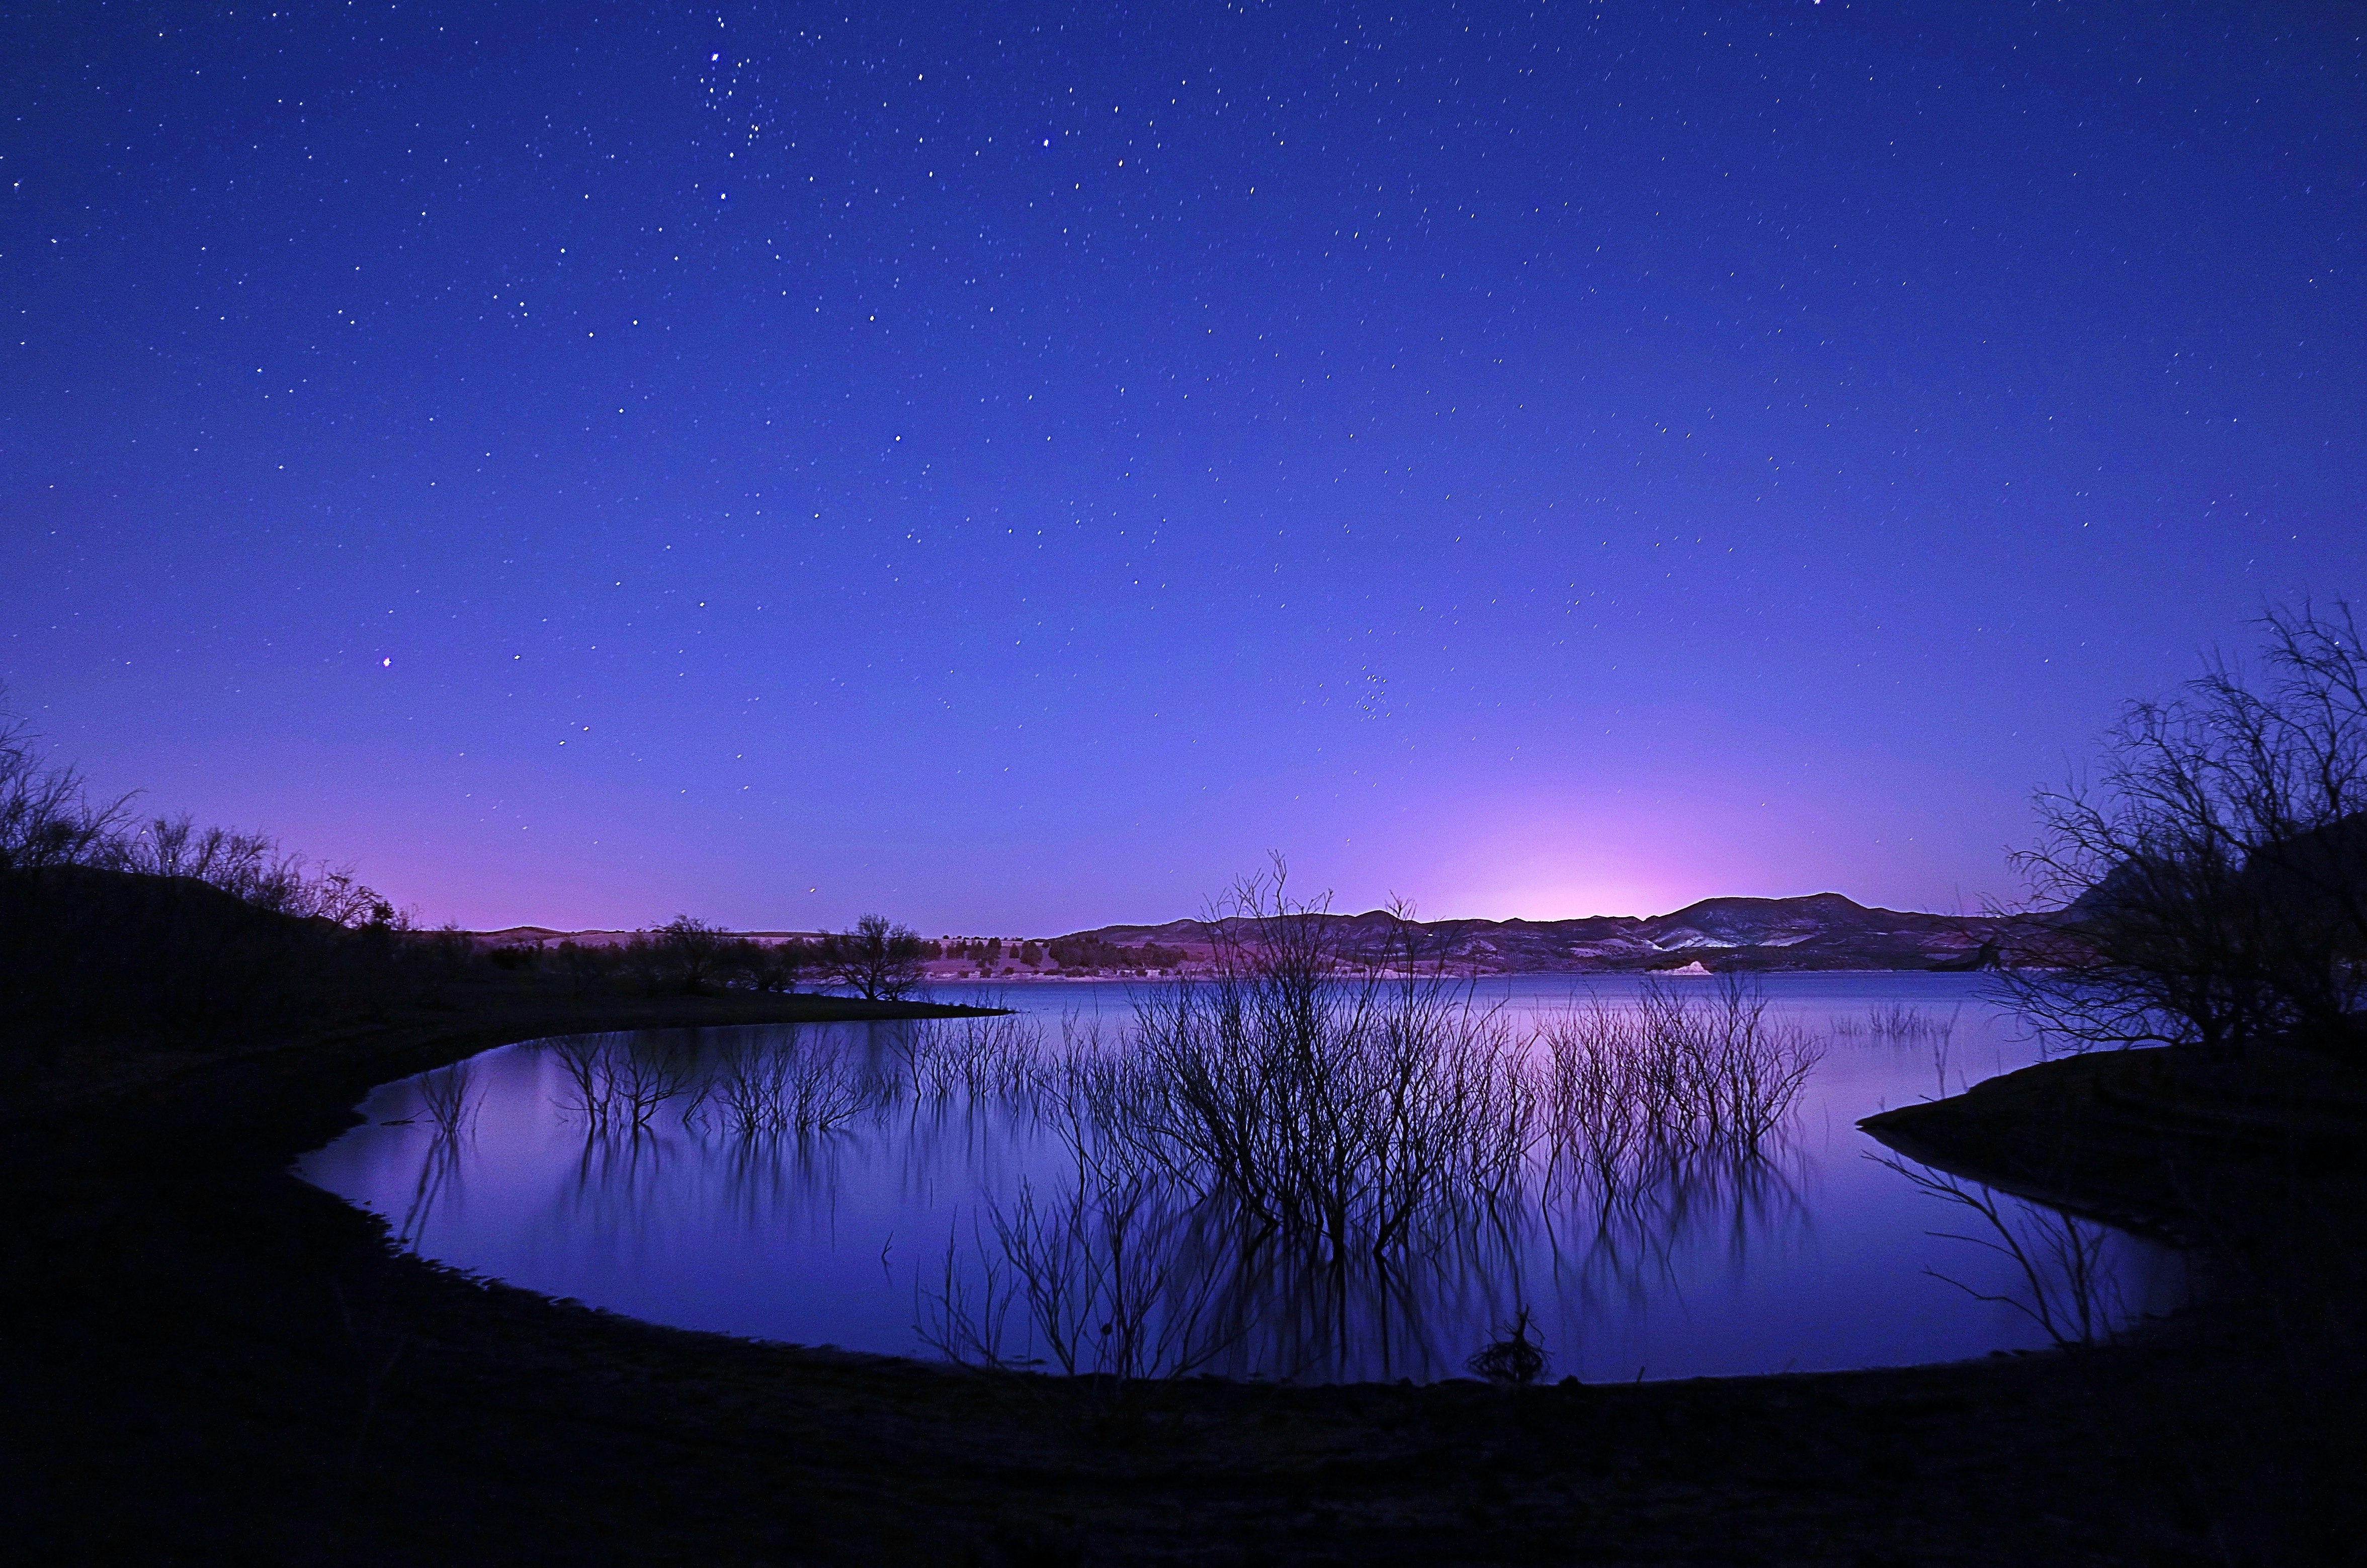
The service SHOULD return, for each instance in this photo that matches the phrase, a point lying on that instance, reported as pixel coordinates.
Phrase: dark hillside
(95, 952)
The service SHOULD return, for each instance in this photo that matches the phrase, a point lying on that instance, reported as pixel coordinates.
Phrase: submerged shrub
(1326, 1104)
(1629, 1090)
(1512, 1356)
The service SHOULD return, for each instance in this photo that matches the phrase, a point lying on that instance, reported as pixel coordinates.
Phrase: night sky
(1010, 468)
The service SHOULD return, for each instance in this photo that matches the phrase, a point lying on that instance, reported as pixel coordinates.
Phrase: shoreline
(1748, 973)
(255, 1362)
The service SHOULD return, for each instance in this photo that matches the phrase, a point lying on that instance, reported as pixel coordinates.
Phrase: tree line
(156, 930)
(1072, 953)
(876, 958)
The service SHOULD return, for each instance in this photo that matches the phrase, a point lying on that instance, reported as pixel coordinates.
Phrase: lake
(935, 1203)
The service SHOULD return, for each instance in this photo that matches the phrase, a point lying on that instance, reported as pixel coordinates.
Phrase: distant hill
(536, 936)
(1820, 931)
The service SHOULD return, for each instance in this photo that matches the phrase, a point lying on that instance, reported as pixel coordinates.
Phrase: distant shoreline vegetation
(2209, 886)
(1823, 931)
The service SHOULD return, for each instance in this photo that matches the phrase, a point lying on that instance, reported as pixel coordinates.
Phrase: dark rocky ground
(209, 1361)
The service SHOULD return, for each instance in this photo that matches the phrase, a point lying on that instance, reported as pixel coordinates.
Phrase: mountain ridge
(1814, 931)
(1807, 932)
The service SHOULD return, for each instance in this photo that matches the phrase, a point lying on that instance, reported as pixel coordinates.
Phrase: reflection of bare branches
(1641, 1225)
(450, 1097)
(1897, 1024)
(1131, 1273)
(963, 1319)
(618, 1175)
(621, 1080)
(1137, 1277)
(1107, 1289)
(769, 1174)
(1299, 1180)
(1285, 1177)
(439, 1174)
(2069, 1291)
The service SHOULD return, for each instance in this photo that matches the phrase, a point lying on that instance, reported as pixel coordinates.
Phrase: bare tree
(47, 818)
(2212, 879)
(696, 948)
(253, 868)
(586, 968)
(789, 960)
(879, 959)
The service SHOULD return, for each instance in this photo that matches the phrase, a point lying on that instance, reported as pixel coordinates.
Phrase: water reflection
(2062, 1278)
(1123, 1273)
(620, 1174)
(1294, 1183)
(1681, 1197)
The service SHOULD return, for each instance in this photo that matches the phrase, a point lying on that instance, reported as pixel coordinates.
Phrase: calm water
(881, 1235)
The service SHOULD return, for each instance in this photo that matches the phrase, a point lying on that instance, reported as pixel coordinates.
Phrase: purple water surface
(1816, 1257)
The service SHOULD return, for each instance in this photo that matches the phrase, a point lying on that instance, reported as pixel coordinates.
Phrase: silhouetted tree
(693, 950)
(586, 967)
(879, 959)
(794, 959)
(643, 957)
(46, 816)
(2212, 879)
(765, 965)
(164, 932)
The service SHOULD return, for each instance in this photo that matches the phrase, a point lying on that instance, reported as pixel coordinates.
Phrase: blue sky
(1012, 468)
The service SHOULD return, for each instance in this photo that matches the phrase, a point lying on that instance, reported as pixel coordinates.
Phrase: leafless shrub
(1630, 1090)
(47, 818)
(786, 1081)
(749, 1092)
(1292, 1133)
(822, 1090)
(976, 1056)
(1896, 1023)
(1514, 1357)
(1341, 1106)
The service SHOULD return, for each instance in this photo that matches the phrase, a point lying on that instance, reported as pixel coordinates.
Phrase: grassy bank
(216, 1362)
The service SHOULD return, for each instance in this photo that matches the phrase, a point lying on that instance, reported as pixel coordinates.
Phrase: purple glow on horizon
(1012, 471)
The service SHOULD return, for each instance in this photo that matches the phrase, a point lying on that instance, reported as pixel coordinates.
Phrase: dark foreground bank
(211, 1361)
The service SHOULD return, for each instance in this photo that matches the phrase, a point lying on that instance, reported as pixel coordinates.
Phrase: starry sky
(1011, 467)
